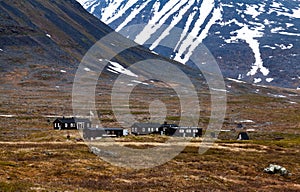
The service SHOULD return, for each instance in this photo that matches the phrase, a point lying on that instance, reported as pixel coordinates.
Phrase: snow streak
(132, 15)
(158, 20)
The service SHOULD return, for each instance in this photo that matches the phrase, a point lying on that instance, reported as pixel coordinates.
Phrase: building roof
(105, 129)
(169, 125)
(158, 125)
(146, 125)
(72, 120)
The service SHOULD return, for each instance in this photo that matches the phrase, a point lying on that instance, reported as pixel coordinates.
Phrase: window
(143, 129)
(195, 131)
(66, 124)
(149, 129)
(152, 129)
(156, 129)
(181, 131)
(79, 125)
(188, 131)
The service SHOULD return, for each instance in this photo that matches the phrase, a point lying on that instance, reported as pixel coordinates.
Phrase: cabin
(165, 129)
(175, 130)
(95, 133)
(188, 132)
(145, 128)
(71, 123)
(168, 129)
(243, 136)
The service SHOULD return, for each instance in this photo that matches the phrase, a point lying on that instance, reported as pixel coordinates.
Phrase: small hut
(243, 136)
(71, 123)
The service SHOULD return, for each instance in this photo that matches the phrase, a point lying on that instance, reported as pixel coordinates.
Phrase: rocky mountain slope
(43, 40)
(254, 41)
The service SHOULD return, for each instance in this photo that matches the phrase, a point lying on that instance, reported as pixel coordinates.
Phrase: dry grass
(33, 157)
(70, 166)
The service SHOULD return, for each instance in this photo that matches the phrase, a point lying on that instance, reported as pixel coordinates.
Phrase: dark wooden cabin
(188, 132)
(168, 129)
(71, 123)
(165, 129)
(145, 128)
(175, 130)
(94, 133)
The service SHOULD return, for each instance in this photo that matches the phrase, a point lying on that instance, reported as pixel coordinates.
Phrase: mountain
(44, 41)
(254, 41)
(42, 44)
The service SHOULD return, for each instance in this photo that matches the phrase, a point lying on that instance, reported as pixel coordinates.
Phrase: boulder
(276, 169)
(100, 152)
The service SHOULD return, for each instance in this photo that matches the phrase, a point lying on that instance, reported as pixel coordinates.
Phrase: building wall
(60, 124)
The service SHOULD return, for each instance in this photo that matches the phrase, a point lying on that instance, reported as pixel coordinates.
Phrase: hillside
(43, 42)
(39, 39)
(42, 45)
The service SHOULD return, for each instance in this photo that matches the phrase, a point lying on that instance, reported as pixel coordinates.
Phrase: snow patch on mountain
(268, 46)
(133, 14)
(249, 35)
(235, 80)
(252, 10)
(190, 45)
(87, 69)
(205, 9)
(279, 9)
(257, 80)
(289, 34)
(158, 20)
(176, 19)
(282, 46)
(186, 28)
(118, 68)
